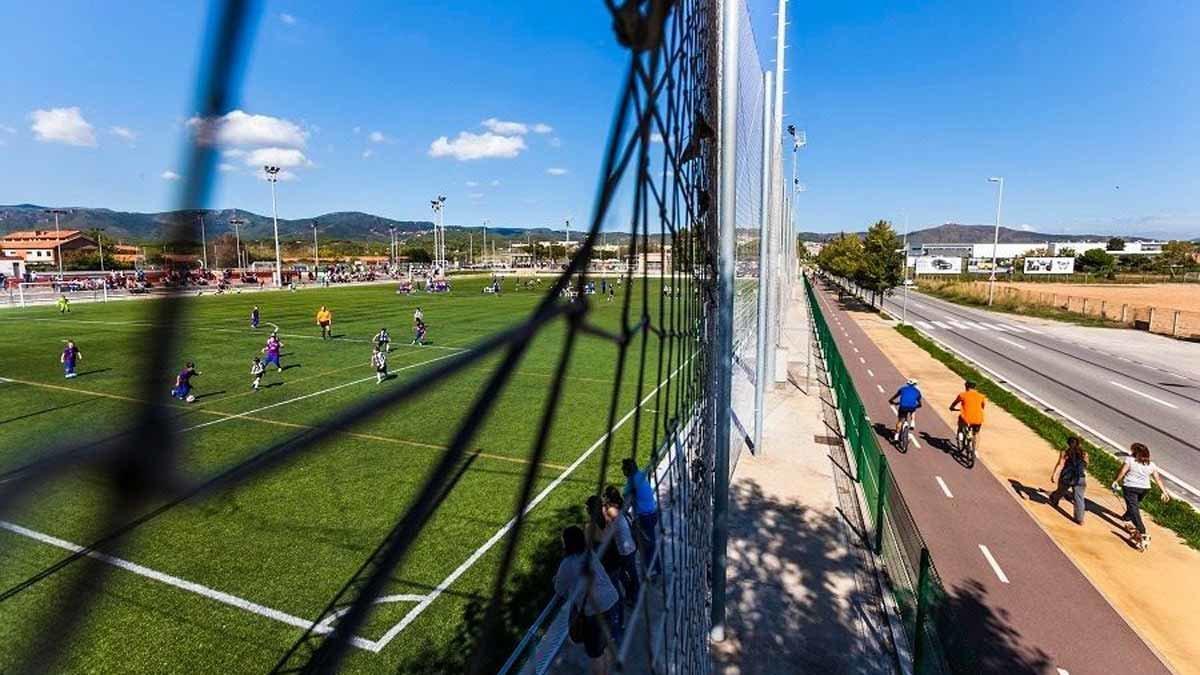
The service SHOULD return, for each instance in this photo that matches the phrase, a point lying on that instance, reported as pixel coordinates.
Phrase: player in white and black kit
(382, 341)
(257, 368)
(379, 360)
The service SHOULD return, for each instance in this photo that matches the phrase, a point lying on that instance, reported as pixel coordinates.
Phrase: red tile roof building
(42, 246)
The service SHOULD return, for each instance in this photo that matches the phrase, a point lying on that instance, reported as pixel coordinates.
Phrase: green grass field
(225, 583)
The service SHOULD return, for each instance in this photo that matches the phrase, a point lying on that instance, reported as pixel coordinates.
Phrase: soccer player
(382, 341)
(419, 334)
(272, 352)
(183, 383)
(70, 354)
(64, 305)
(254, 317)
(379, 360)
(325, 321)
(256, 371)
(418, 316)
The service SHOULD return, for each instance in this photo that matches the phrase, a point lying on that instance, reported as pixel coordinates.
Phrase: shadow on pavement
(978, 639)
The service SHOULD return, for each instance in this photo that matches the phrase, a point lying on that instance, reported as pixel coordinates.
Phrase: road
(1119, 395)
(1020, 605)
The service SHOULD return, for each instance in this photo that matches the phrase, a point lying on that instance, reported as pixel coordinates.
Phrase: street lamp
(57, 238)
(316, 253)
(391, 244)
(237, 236)
(203, 243)
(439, 233)
(996, 238)
(272, 178)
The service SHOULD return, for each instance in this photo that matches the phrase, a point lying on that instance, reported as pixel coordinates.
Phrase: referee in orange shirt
(325, 321)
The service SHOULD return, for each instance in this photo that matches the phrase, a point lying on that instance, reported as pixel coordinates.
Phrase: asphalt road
(1119, 396)
(1020, 605)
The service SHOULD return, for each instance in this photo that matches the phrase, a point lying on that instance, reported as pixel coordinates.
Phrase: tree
(1116, 244)
(417, 255)
(883, 260)
(841, 256)
(1178, 256)
(1096, 260)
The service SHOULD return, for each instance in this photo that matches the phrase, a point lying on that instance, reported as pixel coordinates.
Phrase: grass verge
(1175, 515)
(1008, 305)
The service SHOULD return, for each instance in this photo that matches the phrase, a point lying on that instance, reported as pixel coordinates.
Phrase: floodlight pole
(995, 238)
(316, 254)
(272, 178)
(57, 239)
(100, 243)
(237, 237)
(203, 243)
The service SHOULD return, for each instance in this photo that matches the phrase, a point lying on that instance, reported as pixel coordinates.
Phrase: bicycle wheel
(905, 430)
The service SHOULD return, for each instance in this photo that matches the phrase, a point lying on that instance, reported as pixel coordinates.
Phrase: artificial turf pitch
(220, 584)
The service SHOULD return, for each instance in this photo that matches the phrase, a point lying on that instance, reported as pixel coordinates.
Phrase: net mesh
(659, 347)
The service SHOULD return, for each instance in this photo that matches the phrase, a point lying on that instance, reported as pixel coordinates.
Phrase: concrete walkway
(803, 596)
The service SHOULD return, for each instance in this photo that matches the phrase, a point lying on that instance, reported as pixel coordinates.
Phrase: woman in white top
(1134, 483)
(595, 603)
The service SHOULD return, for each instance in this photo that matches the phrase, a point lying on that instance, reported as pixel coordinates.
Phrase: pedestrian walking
(1133, 481)
(1071, 469)
(596, 613)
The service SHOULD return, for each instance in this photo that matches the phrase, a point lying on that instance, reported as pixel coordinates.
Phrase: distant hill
(954, 233)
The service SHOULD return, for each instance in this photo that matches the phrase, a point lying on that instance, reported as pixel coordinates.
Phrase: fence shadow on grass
(525, 594)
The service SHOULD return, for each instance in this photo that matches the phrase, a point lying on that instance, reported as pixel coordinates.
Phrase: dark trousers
(1133, 507)
(1077, 494)
(625, 573)
(647, 525)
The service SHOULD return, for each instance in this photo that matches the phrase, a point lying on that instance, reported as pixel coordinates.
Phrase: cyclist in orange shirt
(325, 321)
(970, 404)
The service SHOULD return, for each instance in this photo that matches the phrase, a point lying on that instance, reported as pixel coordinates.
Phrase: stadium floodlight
(57, 238)
(203, 242)
(995, 238)
(273, 178)
(439, 233)
(237, 237)
(316, 252)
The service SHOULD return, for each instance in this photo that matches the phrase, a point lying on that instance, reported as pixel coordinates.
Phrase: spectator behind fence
(596, 612)
(645, 509)
(623, 541)
(1134, 483)
(1071, 468)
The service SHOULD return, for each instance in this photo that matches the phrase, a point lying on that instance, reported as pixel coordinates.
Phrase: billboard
(1049, 265)
(984, 265)
(937, 264)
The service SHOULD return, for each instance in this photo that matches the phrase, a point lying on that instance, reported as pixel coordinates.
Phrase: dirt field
(1174, 296)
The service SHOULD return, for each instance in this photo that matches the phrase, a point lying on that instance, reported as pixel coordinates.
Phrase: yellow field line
(293, 425)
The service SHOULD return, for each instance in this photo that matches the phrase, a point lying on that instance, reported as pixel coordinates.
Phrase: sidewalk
(1147, 590)
(802, 593)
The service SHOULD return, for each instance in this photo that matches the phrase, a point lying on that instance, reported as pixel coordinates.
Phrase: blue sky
(908, 109)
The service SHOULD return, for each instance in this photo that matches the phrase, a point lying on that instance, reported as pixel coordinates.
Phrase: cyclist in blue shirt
(906, 399)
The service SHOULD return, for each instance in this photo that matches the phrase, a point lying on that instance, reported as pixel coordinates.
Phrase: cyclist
(970, 404)
(906, 399)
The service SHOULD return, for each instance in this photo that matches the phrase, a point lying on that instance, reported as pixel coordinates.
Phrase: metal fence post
(879, 506)
(762, 344)
(922, 610)
(727, 250)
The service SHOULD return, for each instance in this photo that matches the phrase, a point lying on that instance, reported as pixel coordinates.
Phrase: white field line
(945, 489)
(500, 533)
(183, 584)
(995, 565)
(1018, 345)
(370, 378)
(1145, 395)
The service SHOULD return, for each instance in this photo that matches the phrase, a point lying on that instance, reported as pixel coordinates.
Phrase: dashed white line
(862, 360)
(1018, 345)
(912, 438)
(855, 350)
(870, 372)
(1145, 395)
(941, 324)
(945, 488)
(995, 565)
(925, 324)
(880, 388)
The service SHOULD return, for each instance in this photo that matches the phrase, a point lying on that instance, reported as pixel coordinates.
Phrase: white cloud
(169, 175)
(62, 125)
(234, 152)
(124, 133)
(656, 137)
(287, 18)
(241, 128)
(505, 128)
(227, 167)
(542, 128)
(468, 146)
(476, 195)
(7, 129)
(288, 158)
(367, 153)
(1027, 228)
(495, 183)
(556, 171)
(472, 183)
(556, 142)
(378, 137)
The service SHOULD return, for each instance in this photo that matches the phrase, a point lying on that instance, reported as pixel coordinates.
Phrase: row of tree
(875, 262)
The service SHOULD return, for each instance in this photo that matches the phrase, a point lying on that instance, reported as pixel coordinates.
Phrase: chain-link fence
(661, 154)
(908, 568)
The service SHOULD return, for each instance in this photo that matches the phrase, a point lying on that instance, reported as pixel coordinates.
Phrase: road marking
(1062, 671)
(958, 324)
(1015, 344)
(870, 372)
(912, 438)
(880, 387)
(999, 326)
(980, 326)
(183, 584)
(1145, 395)
(894, 411)
(370, 378)
(856, 350)
(945, 489)
(1035, 332)
(504, 530)
(862, 360)
(941, 324)
(992, 561)
(925, 324)
(1015, 329)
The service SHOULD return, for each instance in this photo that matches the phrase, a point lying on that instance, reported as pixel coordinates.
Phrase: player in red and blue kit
(272, 352)
(70, 354)
(183, 383)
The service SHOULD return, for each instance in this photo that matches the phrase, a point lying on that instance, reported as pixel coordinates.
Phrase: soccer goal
(49, 292)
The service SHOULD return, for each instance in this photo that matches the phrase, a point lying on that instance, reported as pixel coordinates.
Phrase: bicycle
(966, 443)
(906, 429)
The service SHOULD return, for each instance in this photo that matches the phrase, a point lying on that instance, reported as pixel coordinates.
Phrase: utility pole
(316, 253)
(237, 237)
(995, 238)
(203, 243)
(272, 178)
(485, 251)
(57, 238)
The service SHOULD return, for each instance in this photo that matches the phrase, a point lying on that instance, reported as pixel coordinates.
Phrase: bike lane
(1019, 601)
